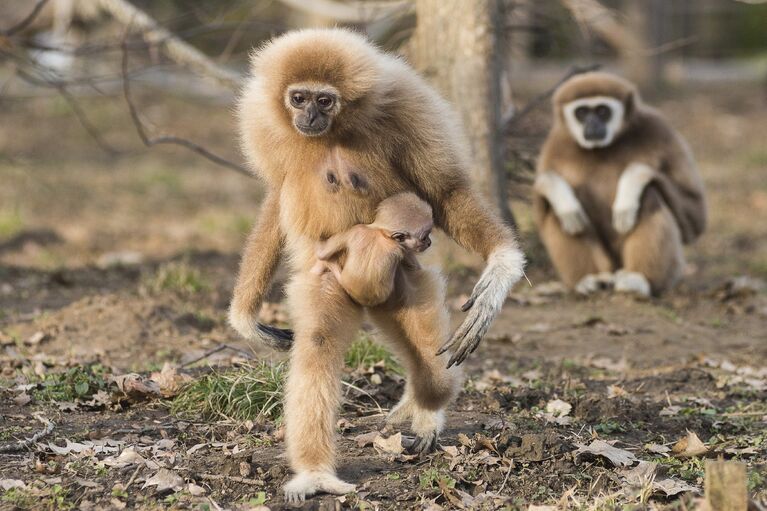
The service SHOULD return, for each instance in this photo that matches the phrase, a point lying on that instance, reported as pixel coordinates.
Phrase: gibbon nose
(594, 128)
(311, 113)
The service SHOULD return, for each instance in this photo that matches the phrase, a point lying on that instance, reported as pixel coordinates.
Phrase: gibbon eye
(603, 112)
(581, 112)
(398, 237)
(297, 99)
(325, 101)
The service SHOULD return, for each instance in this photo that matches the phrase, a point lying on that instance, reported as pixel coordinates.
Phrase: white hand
(563, 201)
(631, 185)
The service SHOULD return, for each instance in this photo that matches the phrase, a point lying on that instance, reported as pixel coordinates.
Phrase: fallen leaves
(391, 445)
(165, 480)
(601, 449)
(689, 446)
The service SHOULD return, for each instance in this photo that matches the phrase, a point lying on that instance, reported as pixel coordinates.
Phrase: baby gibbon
(365, 258)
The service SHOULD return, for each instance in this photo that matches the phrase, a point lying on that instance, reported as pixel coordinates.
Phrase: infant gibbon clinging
(365, 258)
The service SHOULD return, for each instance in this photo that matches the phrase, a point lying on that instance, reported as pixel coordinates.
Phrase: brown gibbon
(334, 126)
(617, 191)
(365, 259)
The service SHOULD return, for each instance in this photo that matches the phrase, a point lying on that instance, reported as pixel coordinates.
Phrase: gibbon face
(594, 121)
(595, 108)
(312, 107)
(407, 220)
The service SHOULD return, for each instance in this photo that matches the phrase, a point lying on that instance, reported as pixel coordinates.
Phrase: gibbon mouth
(312, 131)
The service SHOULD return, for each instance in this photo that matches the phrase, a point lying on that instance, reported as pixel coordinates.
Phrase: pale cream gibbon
(617, 191)
(367, 259)
(335, 126)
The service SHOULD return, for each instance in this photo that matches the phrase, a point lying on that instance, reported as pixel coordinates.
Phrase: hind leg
(415, 325)
(325, 323)
(652, 252)
(580, 260)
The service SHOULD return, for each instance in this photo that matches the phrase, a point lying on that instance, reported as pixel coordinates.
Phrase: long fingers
(278, 338)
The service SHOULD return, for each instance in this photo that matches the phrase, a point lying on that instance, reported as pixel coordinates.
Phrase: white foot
(631, 282)
(594, 282)
(427, 425)
(306, 484)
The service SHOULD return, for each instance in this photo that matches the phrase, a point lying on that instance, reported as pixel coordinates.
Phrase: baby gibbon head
(595, 107)
(407, 220)
(312, 77)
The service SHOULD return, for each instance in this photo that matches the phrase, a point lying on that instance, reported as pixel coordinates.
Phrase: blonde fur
(364, 259)
(390, 133)
(628, 205)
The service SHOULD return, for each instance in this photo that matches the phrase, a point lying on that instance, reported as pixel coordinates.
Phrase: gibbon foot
(631, 282)
(594, 282)
(401, 412)
(306, 484)
(424, 444)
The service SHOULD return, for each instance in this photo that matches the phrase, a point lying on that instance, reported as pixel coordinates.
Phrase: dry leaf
(558, 408)
(689, 446)
(366, 439)
(128, 457)
(670, 411)
(136, 387)
(165, 480)
(391, 445)
(169, 380)
(614, 391)
(657, 448)
(639, 475)
(7, 484)
(671, 487)
(618, 457)
(22, 399)
(195, 490)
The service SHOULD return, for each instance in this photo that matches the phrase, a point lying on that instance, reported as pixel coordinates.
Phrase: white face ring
(613, 125)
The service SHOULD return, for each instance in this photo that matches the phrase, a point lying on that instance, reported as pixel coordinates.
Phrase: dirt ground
(124, 264)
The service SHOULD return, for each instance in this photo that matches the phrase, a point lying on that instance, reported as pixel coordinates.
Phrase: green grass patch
(179, 277)
(365, 353)
(255, 391)
(79, 382)
(250, 392)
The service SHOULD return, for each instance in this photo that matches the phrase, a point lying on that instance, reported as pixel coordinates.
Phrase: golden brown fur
(365, 258)
(672, 208)
(391, 134)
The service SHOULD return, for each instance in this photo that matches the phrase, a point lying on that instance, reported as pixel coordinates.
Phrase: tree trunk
(456, 45)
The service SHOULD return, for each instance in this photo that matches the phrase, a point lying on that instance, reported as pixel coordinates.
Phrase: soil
(87, 243)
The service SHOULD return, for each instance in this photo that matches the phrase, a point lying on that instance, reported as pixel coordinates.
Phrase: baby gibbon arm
(259, 262)
(328, 248)
(561, 197)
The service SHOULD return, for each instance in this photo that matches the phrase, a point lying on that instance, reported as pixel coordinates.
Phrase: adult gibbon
(617, 191)
(334, 126)
(366, 260)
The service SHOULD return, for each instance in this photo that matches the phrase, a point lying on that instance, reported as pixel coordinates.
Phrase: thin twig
(21, 25)
(168, 139)
(23, 444)
(510, 120)
(133, 477)
(82, 118)
(220, 347)
(234, 479)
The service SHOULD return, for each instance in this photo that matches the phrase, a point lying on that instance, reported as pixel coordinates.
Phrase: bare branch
(353, 12)
(18, 27)
(512, 119)
(593, 15)
(168, 139)
(47, 78)
(178, 50)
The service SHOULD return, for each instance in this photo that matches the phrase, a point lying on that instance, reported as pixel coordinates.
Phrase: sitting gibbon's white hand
(631, 185)
(563, 201)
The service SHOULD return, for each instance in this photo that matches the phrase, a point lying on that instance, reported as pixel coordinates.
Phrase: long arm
(327, 249)
(259, 262)
(562, 200)
(459, 211)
